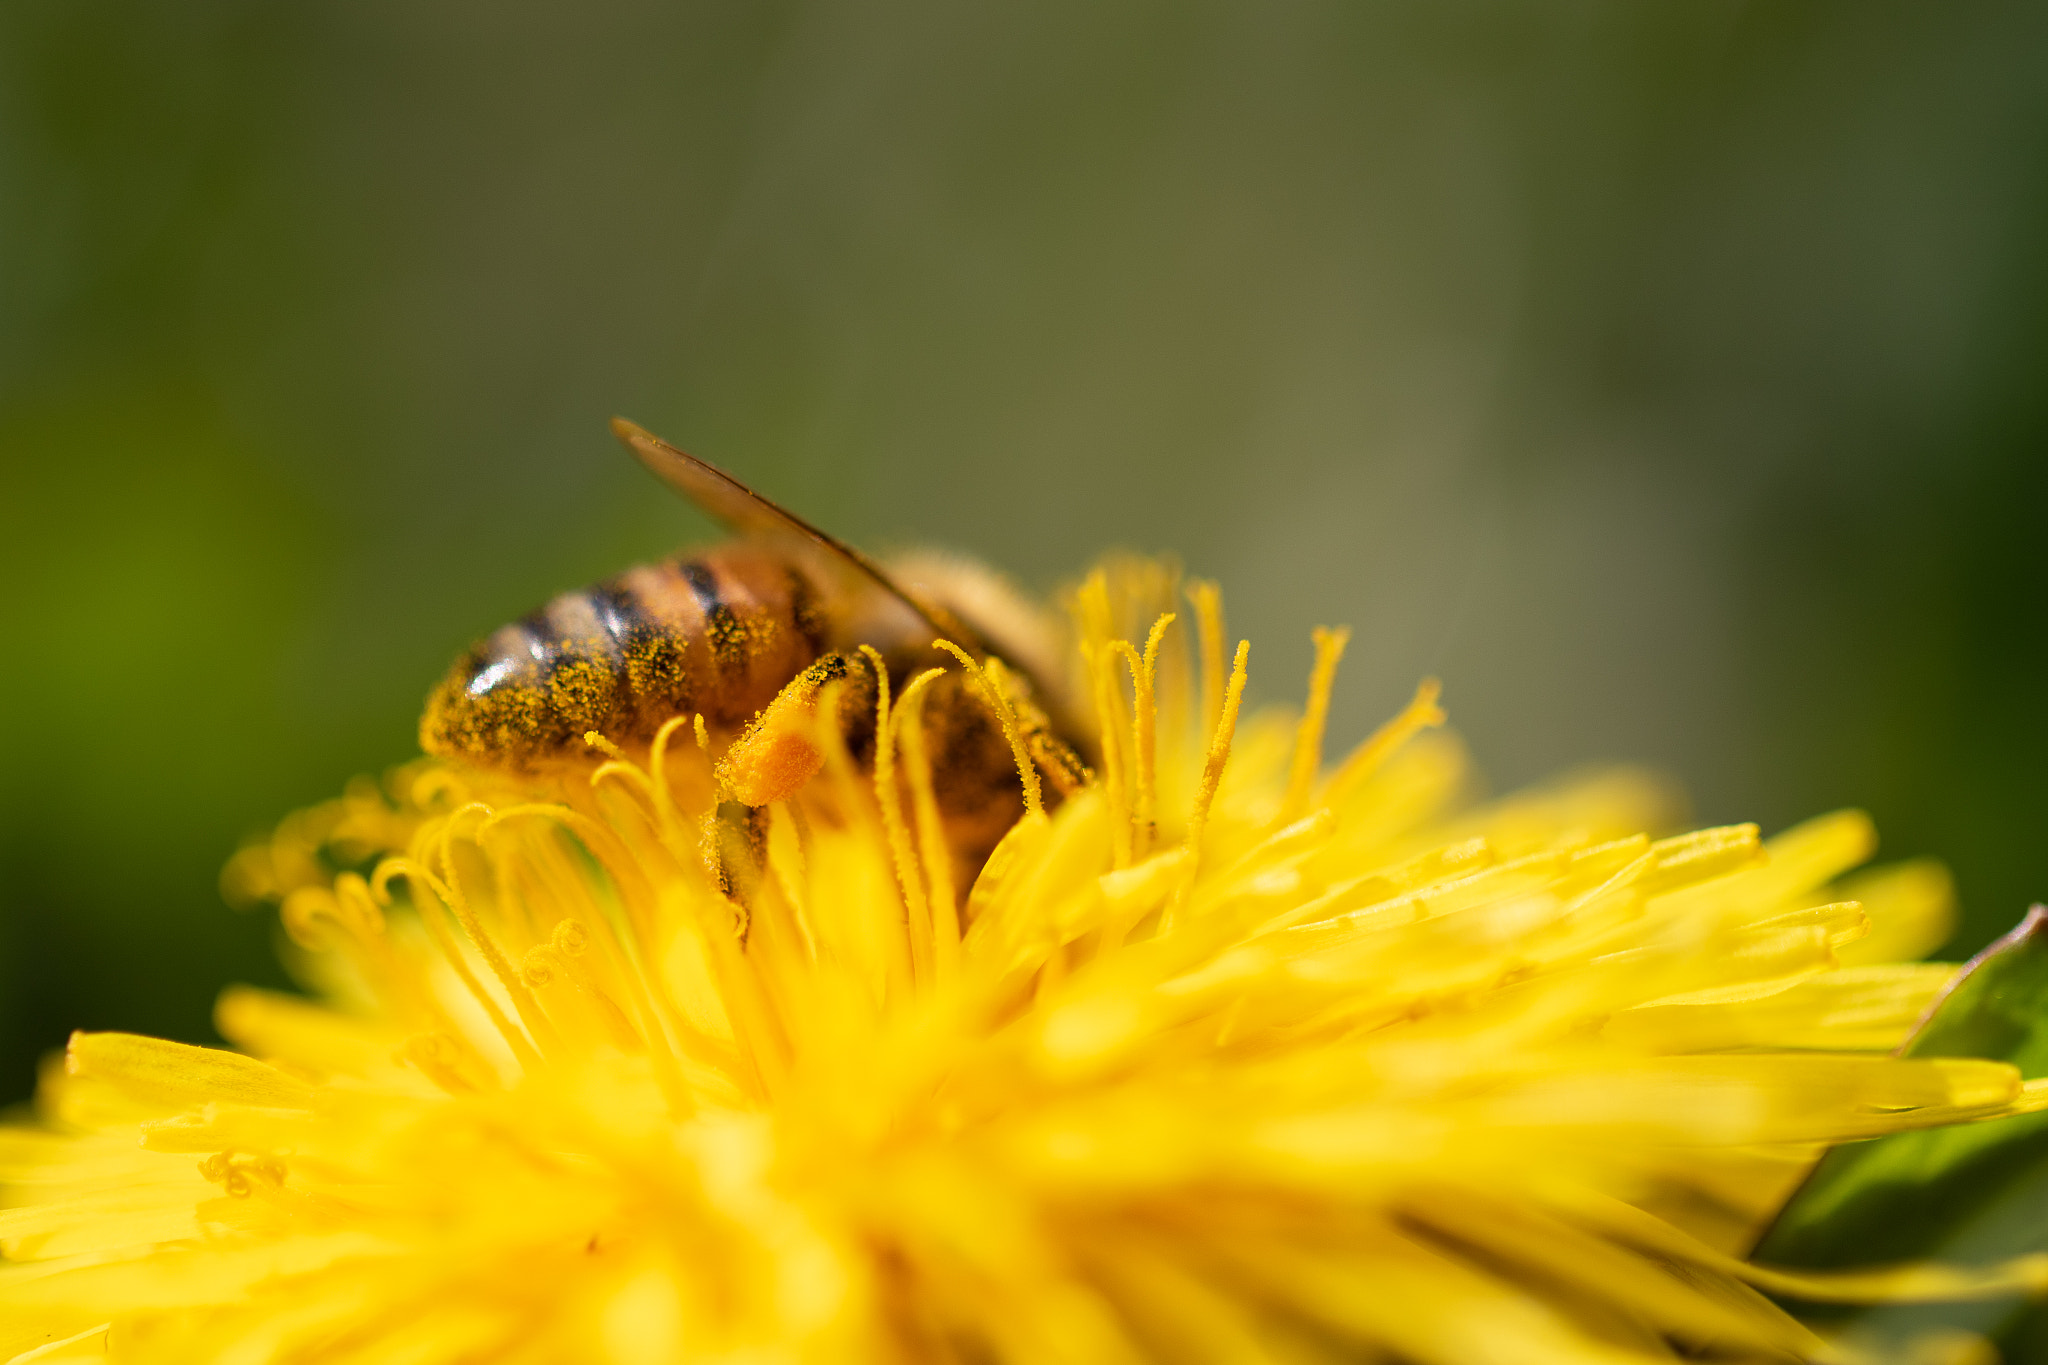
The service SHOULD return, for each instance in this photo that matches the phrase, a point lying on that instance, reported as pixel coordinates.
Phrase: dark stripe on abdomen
(723, 628)
(619, 612)
(652, 654)
(541, 644)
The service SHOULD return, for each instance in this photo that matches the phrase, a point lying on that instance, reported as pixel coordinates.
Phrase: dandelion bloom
(1228, 1057)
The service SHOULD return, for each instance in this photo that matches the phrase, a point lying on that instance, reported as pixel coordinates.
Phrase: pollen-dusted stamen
(449, 886)
(347, 907)
(628, 774)
(644, 784)
(563, 954)
(657, 772)
(241, 1174)
(1114, 732)
(657, 1022)
(1144, 733)
(596, 740)
(931, 831)
(1212, 778)
(916, 907)
(451, 952)
(1100, 650)
(865, 922)
(1308, 739)
(987, 681)
(1219, 747)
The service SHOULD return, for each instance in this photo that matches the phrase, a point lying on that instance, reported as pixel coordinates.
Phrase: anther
(987, 682)
(240, 1176)
(603, 745)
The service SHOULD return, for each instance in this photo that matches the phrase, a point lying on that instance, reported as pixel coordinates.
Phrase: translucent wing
(728, 500)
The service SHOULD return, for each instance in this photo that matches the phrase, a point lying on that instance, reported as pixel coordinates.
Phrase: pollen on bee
(584, 692)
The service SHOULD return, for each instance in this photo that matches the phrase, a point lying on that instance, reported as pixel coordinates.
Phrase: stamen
(380, 883)
(241, 1175)
(665, 1033)
(1109, 712)
(1212, 777)
(1420, 714)
(1308, 738)
(1208, 603)
(1034, 803)
(540, 965)
(628, 775)
(709, 856)
(882, 944)
(786, 862)
(563, 953)
(529, 1010)
(604, 746)
(1100, 648)
(1219, 746)
(762, 1046)
(360, 907)
(916, 908)
(1145, 711)
(931, 831)
(433, 784)
(304, 909)
(657, 771)
(931, 838)
(353, 907)
(599, 840)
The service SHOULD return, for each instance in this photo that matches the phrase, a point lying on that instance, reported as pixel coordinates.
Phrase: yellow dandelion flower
(1224, 1057)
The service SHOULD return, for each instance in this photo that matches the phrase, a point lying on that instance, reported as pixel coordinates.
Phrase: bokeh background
(1671, 378)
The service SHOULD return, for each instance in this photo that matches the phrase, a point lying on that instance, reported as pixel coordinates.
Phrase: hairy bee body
(749, 636)
(716, 633)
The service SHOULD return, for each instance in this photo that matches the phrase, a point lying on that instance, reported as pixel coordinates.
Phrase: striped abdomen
(717, 633)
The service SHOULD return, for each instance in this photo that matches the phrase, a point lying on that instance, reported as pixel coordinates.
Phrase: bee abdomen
(716, 634)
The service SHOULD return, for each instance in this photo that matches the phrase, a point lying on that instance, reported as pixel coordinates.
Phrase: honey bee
(723, 632)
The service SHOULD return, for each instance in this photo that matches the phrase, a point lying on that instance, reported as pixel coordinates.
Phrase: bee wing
(726, 499)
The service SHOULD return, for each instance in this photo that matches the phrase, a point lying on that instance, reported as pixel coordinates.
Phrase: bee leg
(973, 774)
(736, 849)
(1055, 758)
(773, 760)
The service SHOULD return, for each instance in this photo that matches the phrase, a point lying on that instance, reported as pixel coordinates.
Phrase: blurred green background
(1672, 378)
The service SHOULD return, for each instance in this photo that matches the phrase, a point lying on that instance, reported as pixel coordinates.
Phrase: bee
(722, 633)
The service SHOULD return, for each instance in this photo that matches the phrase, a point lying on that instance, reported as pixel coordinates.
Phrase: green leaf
(1971, 1193)
(1911, 1194)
